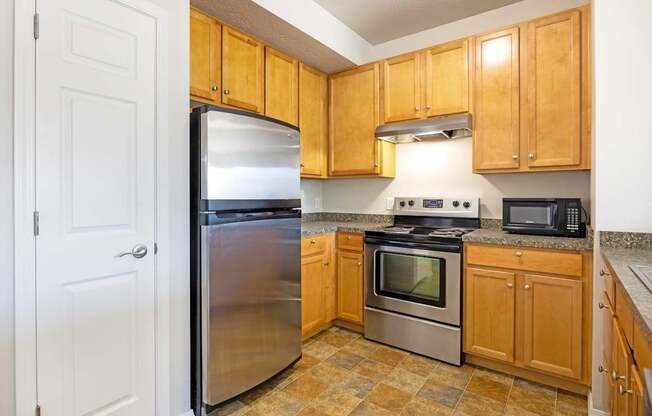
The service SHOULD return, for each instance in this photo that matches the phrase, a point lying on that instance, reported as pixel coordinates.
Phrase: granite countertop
(321, 227)
(619, 259)
(500, 237)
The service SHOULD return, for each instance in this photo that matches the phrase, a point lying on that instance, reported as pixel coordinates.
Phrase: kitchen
(371, 208)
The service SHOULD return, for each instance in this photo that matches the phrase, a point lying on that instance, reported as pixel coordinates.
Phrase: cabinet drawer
(568, 264)
(350, 241)
(624, 316)
(314, 245)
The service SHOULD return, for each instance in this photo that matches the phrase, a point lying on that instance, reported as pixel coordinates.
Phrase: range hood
(435, 128)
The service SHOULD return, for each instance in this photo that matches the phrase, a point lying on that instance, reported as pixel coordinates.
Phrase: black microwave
(544, 216)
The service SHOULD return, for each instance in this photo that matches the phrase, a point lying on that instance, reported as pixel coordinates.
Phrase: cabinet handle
(622, 391)
(375, 165)
(348, 237)
(326, 264)
(510, 285)
(226, 92)
(601, 369)
(428, 107)
(602, 272)
(214, 88)
(526, 287)
(416, 108)
(359, 264)
(515, 157)
(531, 155)
(518, 254)
(312, 241)
(602, 305)
(615, 376)
(302, 165)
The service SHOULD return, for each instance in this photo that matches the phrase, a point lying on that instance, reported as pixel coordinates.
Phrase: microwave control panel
(573, 219)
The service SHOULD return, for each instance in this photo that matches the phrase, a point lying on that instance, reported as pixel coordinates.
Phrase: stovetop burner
(416, 232)
(398, 230)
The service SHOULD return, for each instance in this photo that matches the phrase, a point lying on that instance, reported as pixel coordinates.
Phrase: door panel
(354, 107)
(622, 360)
(489, 313)
(349, 286)
(281, 86)
(447, 78)
(243, 75)
(553, 324)
(95, 190)
(497, 108)
(402, 86)
(554, 90)
(205, 57)
(313, 120)
(313, 286)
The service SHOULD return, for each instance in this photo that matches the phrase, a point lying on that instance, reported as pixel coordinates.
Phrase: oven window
(413, 278)
(528, 214)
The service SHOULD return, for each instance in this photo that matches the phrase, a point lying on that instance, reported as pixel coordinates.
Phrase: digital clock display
(433, 203)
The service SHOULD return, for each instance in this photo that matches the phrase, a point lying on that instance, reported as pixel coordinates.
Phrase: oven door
(414, 281)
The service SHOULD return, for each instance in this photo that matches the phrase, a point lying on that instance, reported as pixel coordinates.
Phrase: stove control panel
(438, 207)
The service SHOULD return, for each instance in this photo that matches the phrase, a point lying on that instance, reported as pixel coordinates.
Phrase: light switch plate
(317, 203)
(389, 203)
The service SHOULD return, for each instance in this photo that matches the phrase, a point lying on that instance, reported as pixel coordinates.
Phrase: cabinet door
(313, 313)
(554, 90)
(635, 393)
(622, 363)
(312, 120)
(281, 86)
(349, 286)
(205, 57)
(447, 78)
(242, 71)
(402, 87)
(552, 324)
(496, 104)
(354, 107)
(489, 314)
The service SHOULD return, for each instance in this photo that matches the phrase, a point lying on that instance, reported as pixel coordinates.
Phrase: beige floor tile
(423, 407)
(279, 403)
(448, 374)
(345, 359)
(487, 385)
(328, 373)
(475, 405)
(367, 408)
(306, 362)
(533, 397)
(405, 380)
(419, 365)
(320, 349)
(335, 402)
(373, 369)
(571, 404)
(305, 388)
(388, 397)
(356, 384)
(441, 393)
(311, 411)
(494, 375)
(361, 347)
(389, 356)
(517, 411)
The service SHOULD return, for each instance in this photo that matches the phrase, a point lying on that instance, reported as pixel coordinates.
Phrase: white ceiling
(379, 21)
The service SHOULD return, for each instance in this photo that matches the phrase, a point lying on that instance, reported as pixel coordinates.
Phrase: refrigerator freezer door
(251, 297)
(248, 158)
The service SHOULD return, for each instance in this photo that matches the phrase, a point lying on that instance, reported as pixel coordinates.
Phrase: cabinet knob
(616, 377)
(518, 254)
(526, 287)
(226, 92)
(325, 263)
(428, 107)
(623, 391)
(214, 88)
(348, 237)
(359, 264)
(602, 272)
(531, 155)
(601, 369)
(601, 305)
(302, 165)
(515, 157)
(510, 285)
(312, 241)
(375, 165)
(416, 108)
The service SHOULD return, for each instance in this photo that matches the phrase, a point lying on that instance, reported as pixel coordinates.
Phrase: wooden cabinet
(528, 311)
(489, 316)
(205, 57)
(636, 397)
(554, 90)
(402, 87)
(317, 284)
(354, 111)
(349, 286)
(242, 71)
(281, 86)
(622, 364)
(313, 121)
(552, 312)
(447, 78)
(496, 136)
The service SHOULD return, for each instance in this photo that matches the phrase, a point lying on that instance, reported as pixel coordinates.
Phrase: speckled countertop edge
(500, 237)
(619, 260)
(322, 227)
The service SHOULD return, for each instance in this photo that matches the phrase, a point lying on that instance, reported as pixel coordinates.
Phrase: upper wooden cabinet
(281, 86)
(496, 118)
(313, 121)
(242, 71)
(402, 87)
(554, 90)
(205, 57)
(532, 105)
(447, 78)
(354, 110)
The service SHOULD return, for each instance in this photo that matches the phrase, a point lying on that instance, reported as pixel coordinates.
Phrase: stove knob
(411, 203)
(466, 204)
(456, 204)
(402, 204)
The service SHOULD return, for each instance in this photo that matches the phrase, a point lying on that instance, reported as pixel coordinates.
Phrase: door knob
(139, 251)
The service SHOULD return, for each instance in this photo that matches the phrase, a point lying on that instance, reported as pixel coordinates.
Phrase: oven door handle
(421, 246)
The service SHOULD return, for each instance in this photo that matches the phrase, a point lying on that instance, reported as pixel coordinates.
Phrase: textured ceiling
(379, 21)
(247, 16)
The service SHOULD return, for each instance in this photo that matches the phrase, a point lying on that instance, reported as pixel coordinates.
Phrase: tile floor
(341, 373)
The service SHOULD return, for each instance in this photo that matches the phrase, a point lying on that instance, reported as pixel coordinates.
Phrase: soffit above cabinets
(249, 17)
(380, 21)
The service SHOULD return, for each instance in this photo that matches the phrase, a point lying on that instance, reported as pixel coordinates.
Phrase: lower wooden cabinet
(535, 325)
(317, 283)
(349, 286)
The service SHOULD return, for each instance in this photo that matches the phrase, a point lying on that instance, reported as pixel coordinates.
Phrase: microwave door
(540, 216)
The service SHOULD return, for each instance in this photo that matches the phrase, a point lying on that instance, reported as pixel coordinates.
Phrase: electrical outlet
(317, 203)
(389, 203)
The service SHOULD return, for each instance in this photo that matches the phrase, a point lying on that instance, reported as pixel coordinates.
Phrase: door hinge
(37, 411)
(36, 26)
(36, 223)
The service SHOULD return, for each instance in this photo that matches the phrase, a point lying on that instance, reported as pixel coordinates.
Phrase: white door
(95, 191)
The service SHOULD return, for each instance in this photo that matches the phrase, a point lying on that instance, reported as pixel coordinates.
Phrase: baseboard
(592, 411)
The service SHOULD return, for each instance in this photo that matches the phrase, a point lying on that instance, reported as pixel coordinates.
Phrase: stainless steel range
(413, 276)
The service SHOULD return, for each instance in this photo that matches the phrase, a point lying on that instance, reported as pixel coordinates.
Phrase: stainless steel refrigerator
(245, 252)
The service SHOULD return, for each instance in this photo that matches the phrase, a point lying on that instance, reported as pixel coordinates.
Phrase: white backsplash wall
(440, 169)
(312, 195)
